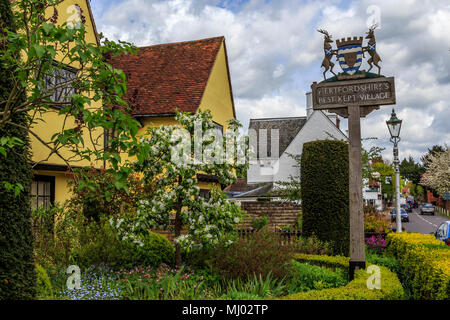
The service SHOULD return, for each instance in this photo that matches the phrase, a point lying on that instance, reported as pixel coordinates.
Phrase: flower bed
(426, 260)
(391, 288)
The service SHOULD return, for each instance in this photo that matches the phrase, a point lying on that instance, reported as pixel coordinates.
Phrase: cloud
(275, 52)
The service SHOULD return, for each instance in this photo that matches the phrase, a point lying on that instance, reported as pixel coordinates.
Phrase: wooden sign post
(354, 99)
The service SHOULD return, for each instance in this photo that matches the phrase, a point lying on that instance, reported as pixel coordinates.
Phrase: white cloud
(275, 53)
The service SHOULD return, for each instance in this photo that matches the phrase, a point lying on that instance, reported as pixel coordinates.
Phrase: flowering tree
(170, 158)
(437, 176)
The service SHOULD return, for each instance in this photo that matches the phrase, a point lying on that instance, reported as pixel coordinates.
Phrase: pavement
(425, 224)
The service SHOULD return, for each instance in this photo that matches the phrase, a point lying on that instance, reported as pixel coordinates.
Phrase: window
(42, 191)
(109, 135)
(205, 193)
(59, 76)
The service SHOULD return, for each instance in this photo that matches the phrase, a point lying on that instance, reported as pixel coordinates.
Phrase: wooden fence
(286, 237)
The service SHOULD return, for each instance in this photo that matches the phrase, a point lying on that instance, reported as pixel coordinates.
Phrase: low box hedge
(427, 262)
(391, 288)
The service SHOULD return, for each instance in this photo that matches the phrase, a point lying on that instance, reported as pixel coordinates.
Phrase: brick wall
(279, 213)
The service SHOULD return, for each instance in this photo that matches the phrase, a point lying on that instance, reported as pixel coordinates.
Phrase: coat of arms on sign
(350, 53)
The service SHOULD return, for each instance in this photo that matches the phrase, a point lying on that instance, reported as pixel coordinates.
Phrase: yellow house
(50, 173)
(188, 76)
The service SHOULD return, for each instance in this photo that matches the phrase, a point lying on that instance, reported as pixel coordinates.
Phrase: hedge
(427, 262)
(391, 288)
(43, 284)
(17, 271)
(325, 193)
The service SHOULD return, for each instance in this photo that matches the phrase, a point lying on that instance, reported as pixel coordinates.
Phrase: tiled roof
(288, 130)
(165, 77)
(241, 187)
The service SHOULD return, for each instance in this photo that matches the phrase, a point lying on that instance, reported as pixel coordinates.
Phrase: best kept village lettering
(344, 93)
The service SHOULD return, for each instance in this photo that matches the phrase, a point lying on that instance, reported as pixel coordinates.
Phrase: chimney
(309, 105)
(338, 122)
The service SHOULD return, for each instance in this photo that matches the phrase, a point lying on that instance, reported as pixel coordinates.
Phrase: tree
(368, 158)
(289, 190)
(411, 170)
(36, 49)
(436, 149)
(437, 176)
(170, 158)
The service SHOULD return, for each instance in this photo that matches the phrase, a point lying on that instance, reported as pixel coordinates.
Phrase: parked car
(407, 207)
(427, 208)
(404, 215)
(443, 232)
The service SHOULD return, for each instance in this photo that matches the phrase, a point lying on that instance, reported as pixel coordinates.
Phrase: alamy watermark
(374, 18)
(374, 280)
(74, 280)
(211, 147)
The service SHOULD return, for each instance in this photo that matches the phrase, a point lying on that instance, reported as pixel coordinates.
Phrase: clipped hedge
(426, 260)
(391, 288)
(325, 193)
(17, 273)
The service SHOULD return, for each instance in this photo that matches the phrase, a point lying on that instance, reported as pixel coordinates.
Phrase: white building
(372, 194)
(274, 164)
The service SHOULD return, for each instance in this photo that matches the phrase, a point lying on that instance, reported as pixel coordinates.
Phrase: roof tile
(165, 77)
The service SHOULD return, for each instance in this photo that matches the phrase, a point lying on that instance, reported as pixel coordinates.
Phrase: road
(423, 223)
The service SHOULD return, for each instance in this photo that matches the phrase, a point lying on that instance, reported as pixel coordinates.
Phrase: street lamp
(394, 125)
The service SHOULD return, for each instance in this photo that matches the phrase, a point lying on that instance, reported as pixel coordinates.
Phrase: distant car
(403, 213)
(427, 208)
(443, 232)
(407, 207)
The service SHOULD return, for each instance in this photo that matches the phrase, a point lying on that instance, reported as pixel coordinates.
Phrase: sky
(275, 53)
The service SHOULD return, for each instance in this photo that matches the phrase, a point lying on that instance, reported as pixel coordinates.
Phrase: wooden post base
(353, 266)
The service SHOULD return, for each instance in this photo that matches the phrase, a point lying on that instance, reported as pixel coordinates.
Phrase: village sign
(353, 94)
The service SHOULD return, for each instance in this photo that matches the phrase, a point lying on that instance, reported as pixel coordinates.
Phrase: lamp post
(394, 125)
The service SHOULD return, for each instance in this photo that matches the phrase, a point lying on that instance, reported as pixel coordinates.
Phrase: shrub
(425, 260)
(306, 277)
(376, 244)
(375, 223)
(313, 245)
(95, 194)
(391, 288)
(325, 192)
(17, 270)
(255, 287)
(53, 245)
(164, 283)
(99, 244)
(386, 261)
(43, 285)
(259, 223)
(259, 253)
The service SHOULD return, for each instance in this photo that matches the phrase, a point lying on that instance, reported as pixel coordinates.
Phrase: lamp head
(394, 125)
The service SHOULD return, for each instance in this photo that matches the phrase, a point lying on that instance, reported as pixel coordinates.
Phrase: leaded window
(58, 82)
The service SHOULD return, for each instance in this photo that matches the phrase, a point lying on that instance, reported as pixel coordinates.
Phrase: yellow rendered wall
(51, 122)
(217, 97)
